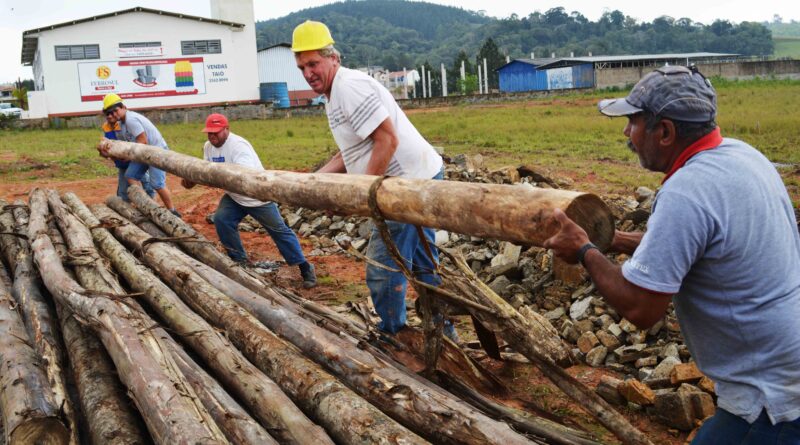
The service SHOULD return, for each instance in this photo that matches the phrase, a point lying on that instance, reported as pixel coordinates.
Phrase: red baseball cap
(215, 123)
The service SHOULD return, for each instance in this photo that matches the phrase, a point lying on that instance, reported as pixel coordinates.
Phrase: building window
(191, 47)
(77, 52)
(140, 45)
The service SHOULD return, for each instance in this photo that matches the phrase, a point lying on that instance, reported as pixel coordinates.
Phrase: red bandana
(707, 142)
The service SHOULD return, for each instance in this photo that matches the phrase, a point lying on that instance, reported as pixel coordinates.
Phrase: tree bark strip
(106, 407)
(346, 416)
(169, 420)
(234, 421)
(374, 380)
(263, 396)
(522, 215)
(29, 410)
(39, 318)
(516, 330)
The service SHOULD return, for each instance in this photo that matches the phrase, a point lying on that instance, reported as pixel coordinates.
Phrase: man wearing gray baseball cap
(721, 244)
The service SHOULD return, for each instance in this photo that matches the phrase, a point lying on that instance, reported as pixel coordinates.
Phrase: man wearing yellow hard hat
(133, 127)
(110, 130)
(375, 138)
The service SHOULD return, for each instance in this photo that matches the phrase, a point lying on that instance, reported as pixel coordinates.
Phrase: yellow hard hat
(310, 36)
(110, 100)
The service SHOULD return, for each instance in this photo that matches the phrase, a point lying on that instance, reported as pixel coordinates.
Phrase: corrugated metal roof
(636, 57)
(285, 45)
(534, 62)
(30, 37)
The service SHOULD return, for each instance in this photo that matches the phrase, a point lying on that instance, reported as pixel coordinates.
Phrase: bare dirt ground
(341, 279)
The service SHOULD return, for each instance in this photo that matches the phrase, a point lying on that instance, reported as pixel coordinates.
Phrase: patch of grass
(787, 47)
(564, 135)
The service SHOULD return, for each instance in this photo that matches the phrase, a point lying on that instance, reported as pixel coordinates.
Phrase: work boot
(309, 277)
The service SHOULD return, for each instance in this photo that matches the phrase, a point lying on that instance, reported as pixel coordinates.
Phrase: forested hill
(397, 33)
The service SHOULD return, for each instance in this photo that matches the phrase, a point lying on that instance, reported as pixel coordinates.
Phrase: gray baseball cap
(674, 92)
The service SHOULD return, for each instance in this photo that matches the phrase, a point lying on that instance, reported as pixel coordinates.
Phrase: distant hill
(397, 33)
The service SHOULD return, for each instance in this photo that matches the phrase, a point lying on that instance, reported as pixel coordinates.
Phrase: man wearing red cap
(224, 146)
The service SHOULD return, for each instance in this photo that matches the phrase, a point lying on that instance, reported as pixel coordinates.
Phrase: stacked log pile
(166, 341)
(163, 348)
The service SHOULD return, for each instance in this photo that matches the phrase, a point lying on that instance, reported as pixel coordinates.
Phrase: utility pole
(430, 85)
(444, 81)
(424, 90)
(480, 80)
(405, 83)
(485, 75)
(463, 79)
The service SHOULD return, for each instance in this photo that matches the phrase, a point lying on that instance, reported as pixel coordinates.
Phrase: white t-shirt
(235, 150)
(357, 106)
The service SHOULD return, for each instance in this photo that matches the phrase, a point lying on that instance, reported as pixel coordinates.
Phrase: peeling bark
(29, 410)
(346, 416)
(126, 336)
(522, 215)
(106, 407)
(39, 317)
(266, 400)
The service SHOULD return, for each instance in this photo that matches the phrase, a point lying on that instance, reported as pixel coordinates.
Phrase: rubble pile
(651, 361)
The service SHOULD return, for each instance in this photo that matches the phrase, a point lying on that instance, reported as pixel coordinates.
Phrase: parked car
(7, 109)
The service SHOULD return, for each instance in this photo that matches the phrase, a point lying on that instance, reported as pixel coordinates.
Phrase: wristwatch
(582, 252)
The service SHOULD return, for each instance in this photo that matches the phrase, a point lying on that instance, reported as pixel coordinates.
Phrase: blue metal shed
(530, 75)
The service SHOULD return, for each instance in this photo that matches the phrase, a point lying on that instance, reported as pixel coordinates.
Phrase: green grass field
(787, 47)
(565, 136)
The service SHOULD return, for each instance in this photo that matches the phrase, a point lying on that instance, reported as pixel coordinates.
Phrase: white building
(276, 64)
(151, 58)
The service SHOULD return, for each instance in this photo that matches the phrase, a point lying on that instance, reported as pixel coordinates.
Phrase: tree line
(397, 33)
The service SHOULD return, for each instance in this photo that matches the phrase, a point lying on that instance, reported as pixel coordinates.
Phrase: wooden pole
(262, 395)
(522, 215)
(123, 334)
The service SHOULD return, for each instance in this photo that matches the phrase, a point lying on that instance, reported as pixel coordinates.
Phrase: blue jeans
(388, 289)
(226, 221)
(122, 184)
(137, 171)
(725, 428)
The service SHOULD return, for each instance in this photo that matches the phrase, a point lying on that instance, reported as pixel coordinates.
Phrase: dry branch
(347, 417)
(268, 403)
(127, 339)
(518, 214)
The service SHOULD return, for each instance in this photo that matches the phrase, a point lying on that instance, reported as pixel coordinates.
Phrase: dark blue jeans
(725, 428)
(388, 289)
(228, 216)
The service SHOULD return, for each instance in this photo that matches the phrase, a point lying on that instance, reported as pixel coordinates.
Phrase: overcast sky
(17, 16)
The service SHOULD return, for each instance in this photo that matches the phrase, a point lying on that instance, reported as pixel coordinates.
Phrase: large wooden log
(263, 396)
(522, 215)
(127, 338)
(39, 317)
(106, 407)
(161, 222)
(30, 414)
(236, 423)
(375, 380)
(346, 417)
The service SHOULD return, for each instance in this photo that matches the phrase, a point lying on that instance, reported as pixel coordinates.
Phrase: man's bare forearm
(626, 242)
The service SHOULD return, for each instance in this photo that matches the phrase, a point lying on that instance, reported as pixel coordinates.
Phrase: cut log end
(43, 431)
(593, 215)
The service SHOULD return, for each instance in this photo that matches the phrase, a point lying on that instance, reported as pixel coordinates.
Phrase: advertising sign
(150, 51)
(559, 78)
(133, 79)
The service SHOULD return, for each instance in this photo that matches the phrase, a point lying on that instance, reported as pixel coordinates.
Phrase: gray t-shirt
(136, 124)
(723, 238)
